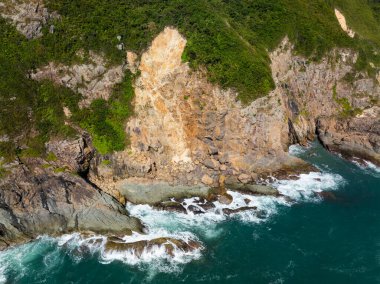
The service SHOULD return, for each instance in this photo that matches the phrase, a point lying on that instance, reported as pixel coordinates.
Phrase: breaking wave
(205, 222)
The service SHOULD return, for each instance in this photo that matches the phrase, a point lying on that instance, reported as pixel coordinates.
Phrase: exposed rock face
(76, 154)
(28, 16)
(188, 131)
(358, 137)
(35, 201)
(319, 98)
(93, 80)
(342, 22)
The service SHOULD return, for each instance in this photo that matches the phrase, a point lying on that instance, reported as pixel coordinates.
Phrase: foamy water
(190, 226)
(368, 167)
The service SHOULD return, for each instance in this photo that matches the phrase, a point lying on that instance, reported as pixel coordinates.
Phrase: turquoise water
(335, 240)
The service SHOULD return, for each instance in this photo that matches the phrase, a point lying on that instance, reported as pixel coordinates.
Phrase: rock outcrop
(28, 16)
(187, 131)
(93, 80)
(36, 200)
(331, 99)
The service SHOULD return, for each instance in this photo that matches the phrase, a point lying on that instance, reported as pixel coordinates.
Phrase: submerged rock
(170, 244)
(229, 211)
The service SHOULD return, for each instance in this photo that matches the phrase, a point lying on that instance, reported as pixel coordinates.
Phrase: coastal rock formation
(140, 247)
(36, 199)
(93, 80)
(28, 16)
(187, 131)
(331, 99)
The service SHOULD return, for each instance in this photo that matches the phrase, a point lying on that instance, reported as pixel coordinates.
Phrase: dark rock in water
(327, 195)
(207, 206)
(195, 209)
(138, 247)
(229, 211)
(247, 201)
(225, 199)
(171, 206)
(261, 214)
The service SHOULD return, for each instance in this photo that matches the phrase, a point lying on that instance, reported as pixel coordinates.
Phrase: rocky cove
(194, 147)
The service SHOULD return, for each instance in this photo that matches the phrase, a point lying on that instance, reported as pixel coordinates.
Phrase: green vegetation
(105, 120)
(346, 108)
(229, 38)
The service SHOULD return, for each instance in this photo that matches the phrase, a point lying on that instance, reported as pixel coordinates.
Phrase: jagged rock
(207, 180)
(36, 201)
(195, 209)
(229, 211)
(29, 17)
(93, 79)
(244, 178)
(211, 164)
(171, 206)
(146, 245)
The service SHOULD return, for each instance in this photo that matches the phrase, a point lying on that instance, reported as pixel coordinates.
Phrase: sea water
(303, 238)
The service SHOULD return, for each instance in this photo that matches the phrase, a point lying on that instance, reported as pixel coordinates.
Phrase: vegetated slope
(230, 39)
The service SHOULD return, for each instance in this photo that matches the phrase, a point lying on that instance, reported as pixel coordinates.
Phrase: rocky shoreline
(188, 138)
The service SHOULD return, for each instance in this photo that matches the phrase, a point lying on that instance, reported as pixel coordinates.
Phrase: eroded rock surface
(331, 99)
(36, 200)
(187, 131)
(93, 80)
(28, 16)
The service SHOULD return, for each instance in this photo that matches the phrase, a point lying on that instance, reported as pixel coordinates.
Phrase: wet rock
(36, 201)
(195, 209)
(225, 199)
(139, 247)
(254, 189)
(171, 206)
(228, 211)
(207, 206)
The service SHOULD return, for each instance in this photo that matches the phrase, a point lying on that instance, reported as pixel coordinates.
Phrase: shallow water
(336, 240)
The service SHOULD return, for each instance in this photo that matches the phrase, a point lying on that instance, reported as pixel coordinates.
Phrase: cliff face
(330, 99)
(187, 131)
(36, 200)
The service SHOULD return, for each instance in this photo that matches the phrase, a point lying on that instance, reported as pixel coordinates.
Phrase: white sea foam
(155, 258)
(307, 185)
(166, 224)
(3, 278)
(368, 167)
(305, 188)
(297, 149)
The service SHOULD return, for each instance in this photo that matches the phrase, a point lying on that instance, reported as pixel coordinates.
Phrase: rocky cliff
(186, 133)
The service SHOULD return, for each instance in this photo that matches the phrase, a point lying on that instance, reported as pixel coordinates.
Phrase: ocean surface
(310, 239)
